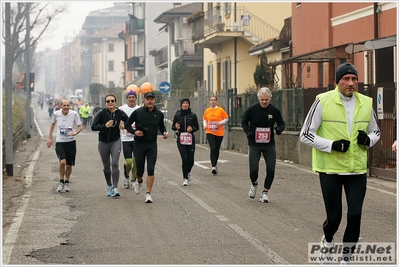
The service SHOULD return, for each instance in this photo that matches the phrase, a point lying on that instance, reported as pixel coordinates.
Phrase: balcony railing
(237, 20)
(135, 63)
(186, 48)
(134, 26)
(161, 56)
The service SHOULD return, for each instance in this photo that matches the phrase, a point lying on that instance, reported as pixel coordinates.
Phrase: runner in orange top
(214, 118)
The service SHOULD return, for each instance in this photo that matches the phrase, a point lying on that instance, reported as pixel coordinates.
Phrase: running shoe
(126, 183)
(325, 254)
(109, 191)
(132, 184)
(214, 170)
(189, 176)
(252, 190)
(185, 182)
(137, 187)
(60, 187)
(264, 198)
(66, 187)
(115, 192)
(148, 198)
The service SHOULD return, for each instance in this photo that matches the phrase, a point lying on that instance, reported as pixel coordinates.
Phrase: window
(110, 65)
(110, 47)
(111, 84)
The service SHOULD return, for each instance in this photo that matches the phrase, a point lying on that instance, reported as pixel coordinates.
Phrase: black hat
(343, 69)
(149, 94)
(184, 99)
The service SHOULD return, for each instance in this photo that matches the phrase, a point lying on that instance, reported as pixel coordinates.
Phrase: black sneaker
(214, 170)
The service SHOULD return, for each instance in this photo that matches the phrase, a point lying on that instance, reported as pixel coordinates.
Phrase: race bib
(64, 130)
(262, 135)
(186, 138)
(213, 126)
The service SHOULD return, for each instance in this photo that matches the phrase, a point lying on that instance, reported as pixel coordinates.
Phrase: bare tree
(42, 14)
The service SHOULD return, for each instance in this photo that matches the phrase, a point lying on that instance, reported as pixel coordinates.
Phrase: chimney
(176, 5)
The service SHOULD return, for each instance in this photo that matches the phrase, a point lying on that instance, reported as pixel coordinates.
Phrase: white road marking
(12, 233)
(199, 163)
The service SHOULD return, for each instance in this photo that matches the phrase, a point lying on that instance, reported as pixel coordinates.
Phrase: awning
(381, 43)
(322, 55)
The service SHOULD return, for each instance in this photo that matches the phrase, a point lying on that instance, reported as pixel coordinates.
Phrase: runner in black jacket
(148, 120)
(107, 121)
(185, 123)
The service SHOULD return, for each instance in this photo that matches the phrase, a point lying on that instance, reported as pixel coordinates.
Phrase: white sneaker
(126, 183)
(325, 254)
(66, 187)
(132, 184)
(60, 187)
(264, 198)
(137, 187)
(189, 176)
(185, 182)
(252, 191)
(115, 192)
(148, 198)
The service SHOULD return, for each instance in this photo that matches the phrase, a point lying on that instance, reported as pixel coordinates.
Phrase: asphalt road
(210, 222)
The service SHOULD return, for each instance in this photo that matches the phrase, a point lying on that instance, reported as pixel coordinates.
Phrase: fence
(295, 104)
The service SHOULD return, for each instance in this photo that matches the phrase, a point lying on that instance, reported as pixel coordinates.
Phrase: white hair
(264, 91)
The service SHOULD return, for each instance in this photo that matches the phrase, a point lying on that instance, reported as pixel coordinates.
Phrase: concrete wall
(288, 146)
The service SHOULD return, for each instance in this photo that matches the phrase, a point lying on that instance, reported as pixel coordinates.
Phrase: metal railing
(233, 20)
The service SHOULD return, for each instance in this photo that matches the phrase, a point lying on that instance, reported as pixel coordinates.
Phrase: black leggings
(269, 154)
(355, 191)
(142, 151)
(214, 144)
(187, 157)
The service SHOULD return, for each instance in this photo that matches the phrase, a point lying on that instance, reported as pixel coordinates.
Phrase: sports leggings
(355, 191)
(108, 151)
(144, 150)
(128, 154)
(214, 144)
(269, 154)
(187, 156)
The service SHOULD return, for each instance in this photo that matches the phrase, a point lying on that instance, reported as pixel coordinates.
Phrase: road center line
(253, 241)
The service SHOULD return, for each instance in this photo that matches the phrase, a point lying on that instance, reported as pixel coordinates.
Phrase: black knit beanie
(184, 99)
(343, 69)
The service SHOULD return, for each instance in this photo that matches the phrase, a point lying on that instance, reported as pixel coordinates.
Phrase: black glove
(278, 130)
(341, 145)
(363, 138)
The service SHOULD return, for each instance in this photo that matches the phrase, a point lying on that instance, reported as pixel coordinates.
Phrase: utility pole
(27, 73)
(8, 95)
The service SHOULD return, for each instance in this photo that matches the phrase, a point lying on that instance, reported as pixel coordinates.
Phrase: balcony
(135, 63)
(161, 57)
(189, 53)
(217, 27)
(134, 26)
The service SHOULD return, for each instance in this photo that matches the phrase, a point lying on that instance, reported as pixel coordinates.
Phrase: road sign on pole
(165, 87)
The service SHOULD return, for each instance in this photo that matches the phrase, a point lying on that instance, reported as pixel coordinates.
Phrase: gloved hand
(363, 138)
(341, 145)
(278, 130)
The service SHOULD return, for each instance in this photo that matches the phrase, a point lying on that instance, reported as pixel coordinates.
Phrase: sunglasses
(111, 100)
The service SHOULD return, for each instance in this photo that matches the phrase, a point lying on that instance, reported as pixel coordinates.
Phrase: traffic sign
(165, 87)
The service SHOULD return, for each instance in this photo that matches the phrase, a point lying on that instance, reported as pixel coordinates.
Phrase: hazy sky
(70, 23)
